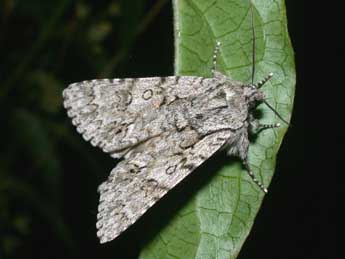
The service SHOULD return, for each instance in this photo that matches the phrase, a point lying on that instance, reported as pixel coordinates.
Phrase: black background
(295, 220)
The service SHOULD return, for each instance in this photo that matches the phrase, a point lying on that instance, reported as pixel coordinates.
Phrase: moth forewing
(164, 128)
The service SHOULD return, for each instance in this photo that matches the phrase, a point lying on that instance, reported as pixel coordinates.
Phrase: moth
(162, 128)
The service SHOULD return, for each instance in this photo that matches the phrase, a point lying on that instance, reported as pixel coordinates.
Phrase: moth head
(253, 95)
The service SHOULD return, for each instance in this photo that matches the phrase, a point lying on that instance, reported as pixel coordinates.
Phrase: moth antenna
(275, 112)
(215, 55)
(254, 42)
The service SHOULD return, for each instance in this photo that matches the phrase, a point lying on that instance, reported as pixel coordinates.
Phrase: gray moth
(162, 128)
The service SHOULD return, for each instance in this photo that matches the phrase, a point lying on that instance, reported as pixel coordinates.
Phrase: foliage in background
(45, 45)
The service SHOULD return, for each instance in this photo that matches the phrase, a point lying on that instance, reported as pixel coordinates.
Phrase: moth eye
(199, 116)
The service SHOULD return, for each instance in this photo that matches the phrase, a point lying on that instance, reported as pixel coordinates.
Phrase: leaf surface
(215, 221)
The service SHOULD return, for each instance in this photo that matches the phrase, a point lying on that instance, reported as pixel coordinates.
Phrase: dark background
(49, 175)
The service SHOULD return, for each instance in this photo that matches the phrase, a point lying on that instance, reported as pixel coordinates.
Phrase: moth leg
(256, 126)
(268, 126)
(255, 180)
(263, 81)
(240, 149)
(215, 55)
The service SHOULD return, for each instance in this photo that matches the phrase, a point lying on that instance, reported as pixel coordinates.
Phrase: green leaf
(215, 222)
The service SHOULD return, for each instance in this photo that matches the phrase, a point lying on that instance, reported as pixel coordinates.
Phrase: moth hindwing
(163, 128)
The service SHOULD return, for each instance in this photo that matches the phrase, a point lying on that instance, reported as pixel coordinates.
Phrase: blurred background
(49, 174)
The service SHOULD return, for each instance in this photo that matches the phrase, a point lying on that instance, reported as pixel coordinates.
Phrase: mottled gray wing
(147, 173)
(111, 112)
